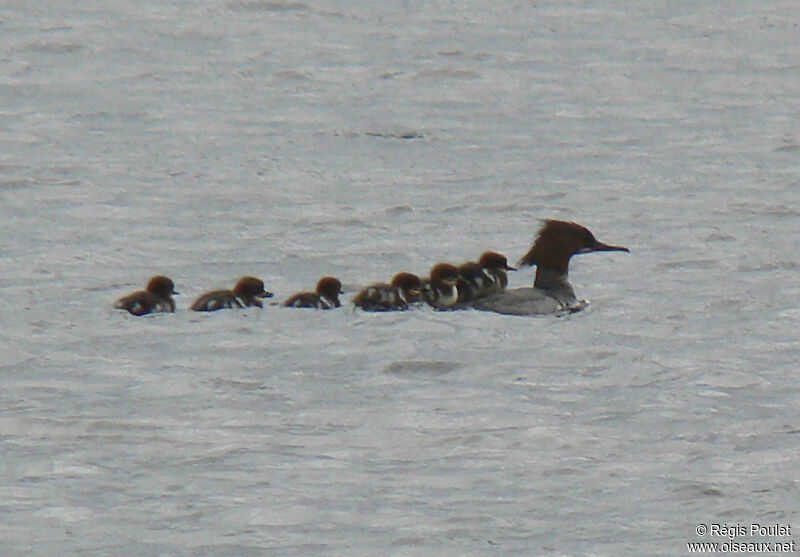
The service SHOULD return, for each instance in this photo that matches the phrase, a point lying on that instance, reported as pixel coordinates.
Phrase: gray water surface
(207, 140)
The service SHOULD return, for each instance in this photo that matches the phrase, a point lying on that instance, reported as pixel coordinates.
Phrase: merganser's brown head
(409, 285)
(556, 243)
(161, 285)
(251, 287)
(330, 288)
(494, 260)
(444, 273)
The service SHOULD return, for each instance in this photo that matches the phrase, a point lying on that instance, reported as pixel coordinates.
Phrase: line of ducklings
(447, 287)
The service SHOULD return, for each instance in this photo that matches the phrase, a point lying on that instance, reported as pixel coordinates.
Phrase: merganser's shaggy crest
(155, 298)
(326, 296)
(405, 289)
(246, 293)
(555, 245)
(441, 291)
